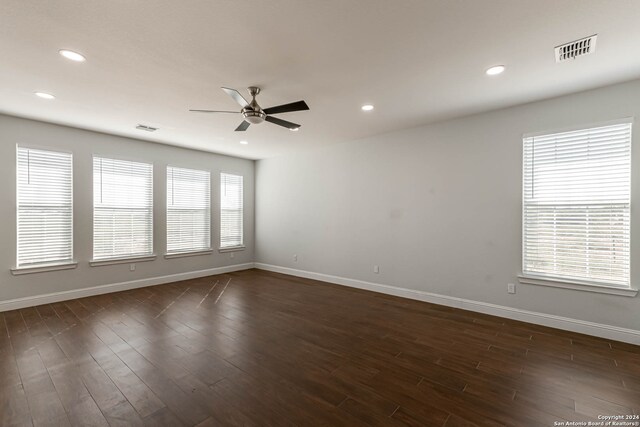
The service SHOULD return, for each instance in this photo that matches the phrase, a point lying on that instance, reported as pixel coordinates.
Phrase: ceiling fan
(253, 114)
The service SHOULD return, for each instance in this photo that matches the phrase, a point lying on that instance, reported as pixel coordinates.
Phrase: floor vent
(576, 48)
(146, 128)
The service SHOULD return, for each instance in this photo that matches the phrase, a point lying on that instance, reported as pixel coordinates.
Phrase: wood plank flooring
(255, 348)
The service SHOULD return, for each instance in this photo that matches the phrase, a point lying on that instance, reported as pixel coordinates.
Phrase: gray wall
(84, 144)
(438, 208)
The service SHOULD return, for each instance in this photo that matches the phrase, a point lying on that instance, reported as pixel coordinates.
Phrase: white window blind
(231, 224)
(45, 207)
(122, 209)
(576, 205)
(188, 210)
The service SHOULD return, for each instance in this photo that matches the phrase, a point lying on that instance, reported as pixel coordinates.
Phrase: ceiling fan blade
(287, 108)
(213, 111)
(243, 126)
(281, 122)
(236, 96)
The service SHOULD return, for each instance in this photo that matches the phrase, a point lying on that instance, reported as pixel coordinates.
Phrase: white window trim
(240, 247)
(171, 255)
(232, 249)
(127, 260)
(112, 261)
(209, 250)
(564, 283)
(577, 285)
(624, 120)
(66, 264)
(19, 271)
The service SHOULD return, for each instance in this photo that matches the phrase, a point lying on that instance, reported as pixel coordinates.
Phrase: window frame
(151, 256)
(71, 263)
(194, 252)
(241, 246)
(570, 283)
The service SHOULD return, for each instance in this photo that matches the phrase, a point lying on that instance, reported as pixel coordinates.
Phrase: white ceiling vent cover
(147, 128)
(576, 48)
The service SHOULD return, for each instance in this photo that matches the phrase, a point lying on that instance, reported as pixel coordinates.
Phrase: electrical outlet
(511, 288)
(295, 258)
(132, 267)
(232, 255)
(376, 269)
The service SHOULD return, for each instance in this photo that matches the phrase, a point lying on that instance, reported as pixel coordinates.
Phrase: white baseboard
(581, 326)
(18, 303)
(616, 333)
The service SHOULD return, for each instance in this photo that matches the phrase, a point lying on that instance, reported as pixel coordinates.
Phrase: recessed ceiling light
(44, 95)
(244, 142)
(74, 56)
(294, 129)
(495, 70)
(367, 107)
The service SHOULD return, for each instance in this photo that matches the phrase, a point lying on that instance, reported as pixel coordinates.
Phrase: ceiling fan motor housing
(253, 116)
(252, 112)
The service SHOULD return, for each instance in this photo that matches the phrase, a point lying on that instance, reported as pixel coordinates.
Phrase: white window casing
(122, 209)
(188, 210)
(576, 206)
(231, 211)
(44, 209)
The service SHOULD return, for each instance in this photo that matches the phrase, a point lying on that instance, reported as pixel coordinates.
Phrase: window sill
(114, 261)
(577, 285)
(232, 249)
(187, 254)
(18, 271)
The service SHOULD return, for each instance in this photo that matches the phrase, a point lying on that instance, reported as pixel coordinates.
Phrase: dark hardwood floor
(256, 348)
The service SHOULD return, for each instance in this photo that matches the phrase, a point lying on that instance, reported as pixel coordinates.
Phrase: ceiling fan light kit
(254, 114)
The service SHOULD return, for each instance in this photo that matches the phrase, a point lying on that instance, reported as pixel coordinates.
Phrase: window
(45, 208)
(188, 210)
(230, 211)
(122, 209)
(576, 205)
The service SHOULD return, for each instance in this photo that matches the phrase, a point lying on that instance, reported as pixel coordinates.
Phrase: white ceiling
(417, 60)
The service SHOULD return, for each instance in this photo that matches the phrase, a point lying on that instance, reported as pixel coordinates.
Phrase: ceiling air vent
(146, 128)
(576, 48)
